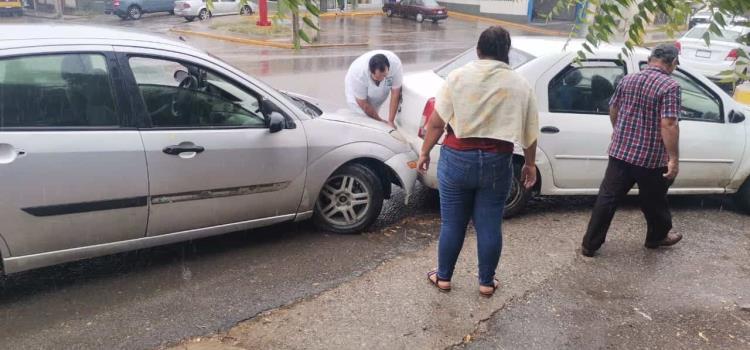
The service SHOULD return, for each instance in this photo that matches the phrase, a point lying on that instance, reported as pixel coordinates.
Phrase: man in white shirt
(369, 81)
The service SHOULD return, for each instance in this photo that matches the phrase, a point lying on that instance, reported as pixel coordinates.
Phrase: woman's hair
(494, 43)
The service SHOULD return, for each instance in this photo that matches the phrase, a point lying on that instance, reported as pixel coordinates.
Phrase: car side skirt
(28, 262)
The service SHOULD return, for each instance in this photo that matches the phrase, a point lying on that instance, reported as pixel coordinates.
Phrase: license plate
(703, 53)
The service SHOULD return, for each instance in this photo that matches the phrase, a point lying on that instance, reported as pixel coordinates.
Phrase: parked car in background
(11, 7)
(417, 9)
(192, 9)
(704, 17)
(575, 127)
(114, 140)
(720, 56)
(134, 9)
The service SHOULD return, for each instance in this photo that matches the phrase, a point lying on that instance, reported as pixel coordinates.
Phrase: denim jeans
(473, 185)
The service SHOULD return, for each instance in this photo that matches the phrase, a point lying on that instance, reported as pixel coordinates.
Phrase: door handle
(177, 149)
(550, 130)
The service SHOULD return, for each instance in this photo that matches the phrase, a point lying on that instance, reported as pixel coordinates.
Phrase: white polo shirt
(358, 83)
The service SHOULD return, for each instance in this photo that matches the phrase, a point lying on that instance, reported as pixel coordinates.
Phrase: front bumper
(404, 165)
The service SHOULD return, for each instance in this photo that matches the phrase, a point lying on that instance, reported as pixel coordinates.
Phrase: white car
(192, 9)
(704, 17)
(575, 126)
(722, 55)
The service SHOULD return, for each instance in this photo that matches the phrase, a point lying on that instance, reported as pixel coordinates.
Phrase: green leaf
(707, 38)
(310, 23)
(312, 8)
(715, 29)
(304, 36)
(719, 18)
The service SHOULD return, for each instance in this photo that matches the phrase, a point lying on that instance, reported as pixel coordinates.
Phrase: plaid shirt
(642, 99)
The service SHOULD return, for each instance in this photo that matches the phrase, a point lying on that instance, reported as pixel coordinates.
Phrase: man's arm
(395, 99)
(670, 133)
(613, 115)
(368, 109)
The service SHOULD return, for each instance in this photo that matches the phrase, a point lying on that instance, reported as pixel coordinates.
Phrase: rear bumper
(189, 12)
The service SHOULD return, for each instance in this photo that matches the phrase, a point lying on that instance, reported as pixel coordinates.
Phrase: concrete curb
(256, 42)
(351, 14)
(509, 24)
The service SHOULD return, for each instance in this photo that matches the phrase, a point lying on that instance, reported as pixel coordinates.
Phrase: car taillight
(429, 107)
(732, 56)
(678, 45)
(116, 3)
(186, 5)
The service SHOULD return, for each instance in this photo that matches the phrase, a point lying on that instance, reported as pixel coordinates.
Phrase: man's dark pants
(618, 180)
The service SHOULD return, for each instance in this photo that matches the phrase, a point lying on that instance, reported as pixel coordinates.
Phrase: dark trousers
(618, 180)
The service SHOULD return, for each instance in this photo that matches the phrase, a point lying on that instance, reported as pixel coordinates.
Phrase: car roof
(734, 28)
(27, 35)
(540, 46)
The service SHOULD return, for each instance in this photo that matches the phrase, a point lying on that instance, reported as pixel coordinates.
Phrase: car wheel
(350, 200)
(203, 15)
(246, 10)
(420, 18)
(123, 17)
(134, 12)
(518, 195)
(742, 197)
(389, 12)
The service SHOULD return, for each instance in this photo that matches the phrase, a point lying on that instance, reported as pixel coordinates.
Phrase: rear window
(726, 34)
(517, 58)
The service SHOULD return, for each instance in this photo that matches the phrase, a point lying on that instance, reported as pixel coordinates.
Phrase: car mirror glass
(736, 117)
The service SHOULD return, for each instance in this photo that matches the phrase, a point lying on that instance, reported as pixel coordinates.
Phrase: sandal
(437, 280)
(494, 288)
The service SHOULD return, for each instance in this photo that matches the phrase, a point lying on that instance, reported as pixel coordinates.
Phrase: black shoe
(671, 239)
(587, 252)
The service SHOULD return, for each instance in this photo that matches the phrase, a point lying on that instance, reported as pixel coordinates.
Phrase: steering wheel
(179, 97)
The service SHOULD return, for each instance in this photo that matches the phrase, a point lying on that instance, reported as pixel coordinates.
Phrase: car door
(710, 147)
(229, 7)
(574, 119)
(73, 168)
(211, 157)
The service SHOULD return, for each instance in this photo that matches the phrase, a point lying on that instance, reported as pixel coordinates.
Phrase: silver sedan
(112, 141)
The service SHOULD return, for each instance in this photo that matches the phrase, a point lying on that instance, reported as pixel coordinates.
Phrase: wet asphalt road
(157, 296)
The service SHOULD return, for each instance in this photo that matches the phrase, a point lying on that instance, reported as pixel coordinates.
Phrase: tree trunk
(295, 29)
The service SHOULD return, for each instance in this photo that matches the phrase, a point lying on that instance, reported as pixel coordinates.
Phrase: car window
(698, 102)
(516, 57)
(430, 3)
(186, 96)
(726, 34)
(585, 88)
(70, 90)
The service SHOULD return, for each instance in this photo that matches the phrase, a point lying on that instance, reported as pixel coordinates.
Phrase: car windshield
(517, 58)
(726, 34)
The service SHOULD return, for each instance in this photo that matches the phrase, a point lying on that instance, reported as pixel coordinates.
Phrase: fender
(544, 168)
(320, 169)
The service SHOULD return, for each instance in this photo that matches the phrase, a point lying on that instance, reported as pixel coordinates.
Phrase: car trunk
(696, 49)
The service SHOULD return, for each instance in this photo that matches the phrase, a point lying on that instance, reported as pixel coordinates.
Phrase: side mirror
(267, 107)
(180, 75)
(276, 122)
(736, 117)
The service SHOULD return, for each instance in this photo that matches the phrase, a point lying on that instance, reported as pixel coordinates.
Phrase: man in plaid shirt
(644, 111)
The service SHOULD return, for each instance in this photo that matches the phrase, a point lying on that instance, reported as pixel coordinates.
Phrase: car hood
(349, 117)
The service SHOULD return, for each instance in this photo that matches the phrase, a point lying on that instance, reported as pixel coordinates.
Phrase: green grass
(248, 28)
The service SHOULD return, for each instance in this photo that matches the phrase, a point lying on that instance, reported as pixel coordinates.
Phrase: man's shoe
(587, 252)
(671, 239)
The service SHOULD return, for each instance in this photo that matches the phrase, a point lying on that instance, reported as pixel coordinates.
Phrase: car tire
(123, 17)
(204, 15)
(334, 210)
(420, 18)
(518, 195)
(742, 197)
(246, 10)
(134, 12)
(389, 12)
(190, 19)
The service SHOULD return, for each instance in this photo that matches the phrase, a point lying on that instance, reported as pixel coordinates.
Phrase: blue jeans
(473, 185)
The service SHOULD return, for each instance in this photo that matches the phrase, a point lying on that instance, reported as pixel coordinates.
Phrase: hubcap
(344, 200)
